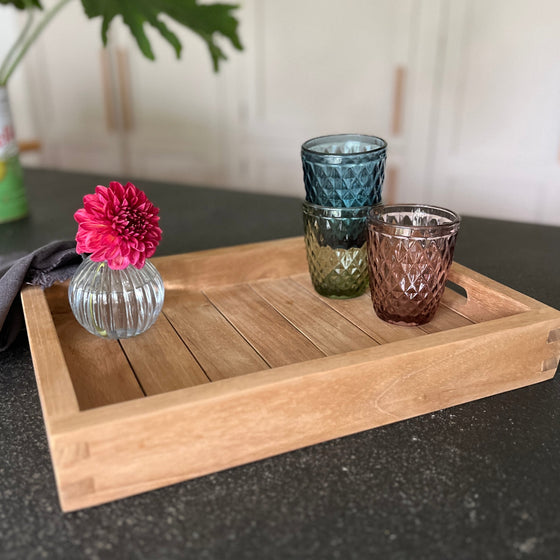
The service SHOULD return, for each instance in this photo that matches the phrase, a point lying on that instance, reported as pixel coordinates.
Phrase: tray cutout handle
(485, 298)
(459, 290)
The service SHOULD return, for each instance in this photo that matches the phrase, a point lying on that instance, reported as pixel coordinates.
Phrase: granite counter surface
(481, 480)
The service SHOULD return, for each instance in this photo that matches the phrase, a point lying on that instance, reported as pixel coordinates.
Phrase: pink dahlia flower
(119, 225)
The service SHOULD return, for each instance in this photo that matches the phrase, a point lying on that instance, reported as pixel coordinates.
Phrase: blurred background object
(466, 92)
(209, 21)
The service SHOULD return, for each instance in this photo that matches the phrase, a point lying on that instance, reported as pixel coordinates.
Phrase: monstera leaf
(22, 4)
(209, 21)
(206, 20)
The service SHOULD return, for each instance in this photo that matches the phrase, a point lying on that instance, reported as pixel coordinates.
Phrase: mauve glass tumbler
(410, 250)
(344, 170)
(336, 245)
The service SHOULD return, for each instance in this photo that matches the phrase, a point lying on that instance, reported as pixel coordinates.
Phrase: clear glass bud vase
(116, 303)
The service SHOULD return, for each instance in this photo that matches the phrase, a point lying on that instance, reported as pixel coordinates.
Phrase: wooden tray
(247, 361)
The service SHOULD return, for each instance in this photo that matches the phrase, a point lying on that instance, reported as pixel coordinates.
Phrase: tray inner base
(215, 333)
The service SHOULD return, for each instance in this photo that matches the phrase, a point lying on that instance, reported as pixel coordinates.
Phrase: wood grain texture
(233, 265)
(320, 323)
(327, 376)
(267, 331)
(444, 320)
(100, 372)
(360, 312)
(329, 398)
(53, 378)
(161, 361)
(220, 350)
(486, 299)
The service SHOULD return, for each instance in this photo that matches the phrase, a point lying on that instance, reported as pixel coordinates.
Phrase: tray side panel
(233, 265)
(53, 378)
(486, 299)
(168, 445)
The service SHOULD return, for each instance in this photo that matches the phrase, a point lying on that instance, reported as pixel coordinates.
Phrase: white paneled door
(315, 68)
(466, 92)
(69, 78)
(496, 133)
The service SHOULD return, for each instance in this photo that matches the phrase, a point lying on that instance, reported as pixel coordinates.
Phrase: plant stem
(16, 44)
(28, 41)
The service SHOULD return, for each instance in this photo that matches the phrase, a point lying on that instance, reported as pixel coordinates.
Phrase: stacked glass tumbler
(343, 176)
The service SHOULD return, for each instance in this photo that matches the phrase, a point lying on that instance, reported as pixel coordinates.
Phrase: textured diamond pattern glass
(336, 244)
(344, 170)
(410, 250)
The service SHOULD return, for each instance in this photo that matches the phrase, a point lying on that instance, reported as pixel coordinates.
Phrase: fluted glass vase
(116, 303)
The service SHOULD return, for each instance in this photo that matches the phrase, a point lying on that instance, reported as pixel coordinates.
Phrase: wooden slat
(326, 328)
(274, 338)
(99, 369)
(444, 320)
(360, 312)
(161, 361)
(218, 347)
(159, 358)
(57, 298)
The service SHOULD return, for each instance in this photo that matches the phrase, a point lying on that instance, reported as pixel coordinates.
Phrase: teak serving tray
(247, 361)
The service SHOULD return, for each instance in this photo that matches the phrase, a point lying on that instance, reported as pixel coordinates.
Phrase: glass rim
(382, 209)
(307, 147)
(354, 211)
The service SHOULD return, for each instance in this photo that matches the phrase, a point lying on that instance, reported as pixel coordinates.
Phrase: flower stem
(99, 330)
(26, 39)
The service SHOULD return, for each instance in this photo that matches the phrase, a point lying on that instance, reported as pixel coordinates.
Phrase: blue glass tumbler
(344, 170)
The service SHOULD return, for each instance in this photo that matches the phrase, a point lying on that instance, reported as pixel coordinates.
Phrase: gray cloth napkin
(52, 263)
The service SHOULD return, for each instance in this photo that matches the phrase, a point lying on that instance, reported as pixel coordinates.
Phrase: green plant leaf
(22, 4)
(206, 20)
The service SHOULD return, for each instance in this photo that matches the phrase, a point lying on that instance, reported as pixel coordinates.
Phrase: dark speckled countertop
(481, 480)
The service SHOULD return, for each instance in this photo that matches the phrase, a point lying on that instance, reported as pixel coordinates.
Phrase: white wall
(476, 126)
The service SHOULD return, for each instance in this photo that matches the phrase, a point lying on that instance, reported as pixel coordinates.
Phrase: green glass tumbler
(336, 245)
